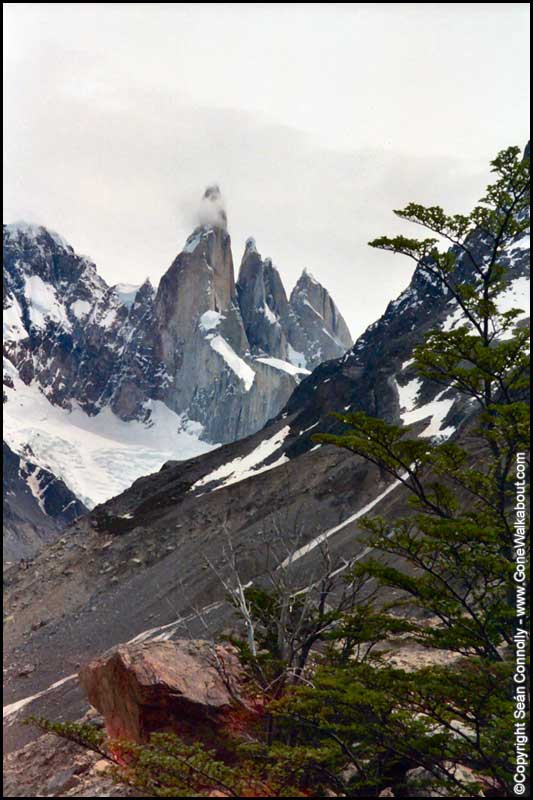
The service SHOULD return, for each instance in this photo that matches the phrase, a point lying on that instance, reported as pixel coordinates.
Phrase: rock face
(317, 328)
(197, 362)
(203, 342)
(305, 330)
(179, 686)
(264, 305)
(54, 767)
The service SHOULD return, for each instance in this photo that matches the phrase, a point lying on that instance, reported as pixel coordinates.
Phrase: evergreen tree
(452, 557)
(359, 726)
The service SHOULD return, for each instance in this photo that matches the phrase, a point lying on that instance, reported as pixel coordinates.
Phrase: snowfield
(97, 457)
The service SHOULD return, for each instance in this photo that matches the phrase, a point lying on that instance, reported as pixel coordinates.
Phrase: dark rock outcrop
(263, 303)
(37, 506)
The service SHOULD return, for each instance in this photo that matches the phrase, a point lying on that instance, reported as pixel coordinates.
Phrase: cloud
(114, 130)
(212, 211)
(126, 193)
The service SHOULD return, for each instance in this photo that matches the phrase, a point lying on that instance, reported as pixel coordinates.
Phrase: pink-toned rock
(186, 687)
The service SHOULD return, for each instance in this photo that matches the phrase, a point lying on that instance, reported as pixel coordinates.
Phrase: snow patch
(80, 308)
(127, 293)
(406, 364)
(522, 244)
(246, 466)
(296, 358)
(12, 708)
(194, 240)
(43, 304)
(318, 540)
(408, 394)
(241, 369)
(108, 318)
(13, 327)
(284, 366)
(35, 488)
(437, 410)
(210, 320)
(269, 314)
(516, 295)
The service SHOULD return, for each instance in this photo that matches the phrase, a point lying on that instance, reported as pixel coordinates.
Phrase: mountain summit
(305, 329)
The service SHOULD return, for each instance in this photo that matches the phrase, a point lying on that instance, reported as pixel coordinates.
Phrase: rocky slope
(136, 569)
(103, 383)
(37, 506)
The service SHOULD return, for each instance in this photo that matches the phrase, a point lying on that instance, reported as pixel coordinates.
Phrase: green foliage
(458, 541)
(375, 723)
(167, 766)
(85, 735)
(451, 557)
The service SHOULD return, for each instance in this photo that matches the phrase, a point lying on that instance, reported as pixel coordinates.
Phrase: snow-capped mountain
(103, 384)
(122, 565)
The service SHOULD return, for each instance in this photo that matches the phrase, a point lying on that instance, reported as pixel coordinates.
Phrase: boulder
(185, 687)
(417, 780)
(54, 767)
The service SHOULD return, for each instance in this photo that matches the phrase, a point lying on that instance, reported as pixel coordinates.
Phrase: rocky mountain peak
(318, 330)
(33, 253)
(209, 246)
(28, 234)
(306, 278)
(250, 245)
(146, 289)
(305, 329)
(200, 279)
(263, 303)
(251, 255)
(309, 285)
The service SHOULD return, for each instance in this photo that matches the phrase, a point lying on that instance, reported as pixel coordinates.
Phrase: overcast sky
(316, 120)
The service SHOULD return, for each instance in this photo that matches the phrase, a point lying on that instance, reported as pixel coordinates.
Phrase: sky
(316, 120)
